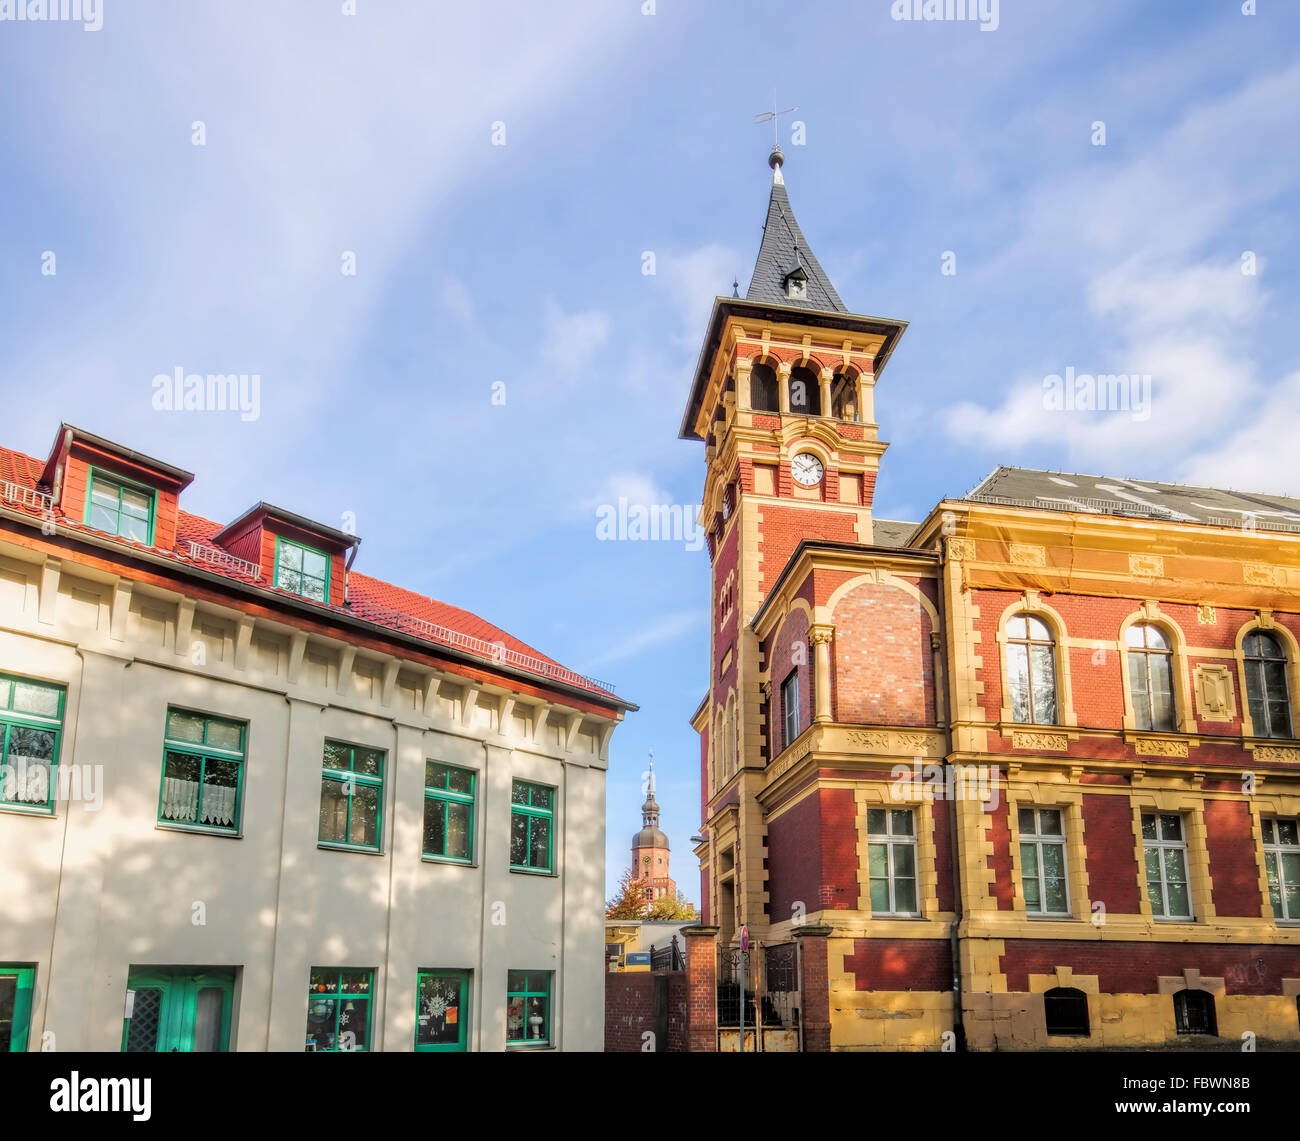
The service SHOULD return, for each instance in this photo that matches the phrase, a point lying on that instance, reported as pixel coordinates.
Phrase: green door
(442, 1010)
(178, 1009)
(15, 1007)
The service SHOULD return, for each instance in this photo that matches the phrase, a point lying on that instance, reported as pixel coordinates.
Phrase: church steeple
(650, 854)
(786, 272)
(650, 809)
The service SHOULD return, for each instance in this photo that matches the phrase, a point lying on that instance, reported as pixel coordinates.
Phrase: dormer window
(117, 507)
(796, 288)
(302, 570)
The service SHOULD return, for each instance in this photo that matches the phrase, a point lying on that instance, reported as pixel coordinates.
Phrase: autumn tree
(679, 908)
(629, 902)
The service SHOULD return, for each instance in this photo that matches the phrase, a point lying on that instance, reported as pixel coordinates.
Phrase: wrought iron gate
(763, 984)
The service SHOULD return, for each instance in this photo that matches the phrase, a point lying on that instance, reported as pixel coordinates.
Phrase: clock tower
(782, 399)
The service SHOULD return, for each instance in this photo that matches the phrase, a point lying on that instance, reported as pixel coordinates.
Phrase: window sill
(325, 846)
(198, 830)
(541, 872)
(1049, 917)
(20, 810)
(530, 1046)
(425, 859)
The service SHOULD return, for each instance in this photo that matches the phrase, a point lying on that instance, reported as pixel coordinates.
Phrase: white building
(254, 800)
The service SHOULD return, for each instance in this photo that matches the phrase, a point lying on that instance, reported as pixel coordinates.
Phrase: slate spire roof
(785, 249)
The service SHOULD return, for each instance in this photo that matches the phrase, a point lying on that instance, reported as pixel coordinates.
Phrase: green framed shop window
(16, 983)
(441, 1011)
(203, 772)
(352, 797)
(118, 507)
(31, 729)
(528, 1008)
(448, 812)
(178, 1010)
(338, 1009)
(532, 826)
(302, 570)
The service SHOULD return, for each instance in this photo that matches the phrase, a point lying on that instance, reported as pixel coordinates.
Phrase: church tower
(650, 850)
(782, 399)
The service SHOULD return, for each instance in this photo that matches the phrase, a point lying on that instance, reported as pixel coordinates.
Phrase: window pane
(879, 896)
(519, 792)
(136, 530)
(354, 1019)
(286, 578)
(322, 1022)
(1056, 901)
(313, 588)
(365, 815)
(1148, 826)
(1054, 861)
(290, 557)
(1152, 856)
(1038, 630)
(1044, 676)
(1179, 900)
(519, 839)
(458, 831)
(368, 762)
(1162, 697)
(103, 494)
(1018, 683)
(1033, 900)
(905, 895)
(1137, 676)
(515, 981)
(42, 700)
(541, 842)
(1049, 822)
(102, 519)
(1274, 883)
(1133, 636)
(1288, 832)
(207, 1020)
(1016, 627)
(1171, 826)
(876, 821)
(516, 1030)
(337, 756)
(904, 860)
(1156, 895)
(185, 727)
(223, 735)
(438, 1011)
(1026, 820)
(220, 791)
(435, 775)
(180, 790)
(1175, 866)
(8, 999)
(333, 811)
(1029, 860)
(460, 780)
(1156, 639)
(314, 564)
(435, 826)
(901, 821)
(1266, 827)
(541, 796)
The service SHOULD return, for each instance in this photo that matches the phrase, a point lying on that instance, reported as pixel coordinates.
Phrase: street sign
(744, 937)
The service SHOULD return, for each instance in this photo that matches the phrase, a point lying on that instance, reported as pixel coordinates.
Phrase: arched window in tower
(1150, 677)
(762, 389)
(844, 397)
(805, 392)
(1031, 671)
(732, 738)
(1267, 692)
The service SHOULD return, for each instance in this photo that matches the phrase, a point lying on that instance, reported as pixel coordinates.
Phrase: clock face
(807, 470)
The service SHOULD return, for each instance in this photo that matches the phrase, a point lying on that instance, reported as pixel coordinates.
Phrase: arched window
(805, 392)
(1150, 677)
(1266, 685)
(1067, 1012)
(844, 397)
(1194, 1012)
(1031, 671)
(762, 389)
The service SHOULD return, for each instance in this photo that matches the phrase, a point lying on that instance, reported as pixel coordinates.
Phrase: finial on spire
(774, 160)
(735, 287)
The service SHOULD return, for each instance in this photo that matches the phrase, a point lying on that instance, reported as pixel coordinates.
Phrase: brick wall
(1234, 874)
(882, 669)
(901, 964)
(1113, 876)
(629, 1011)
(1134, 968)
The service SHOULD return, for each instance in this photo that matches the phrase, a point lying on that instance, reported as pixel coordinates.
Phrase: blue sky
(522, 263)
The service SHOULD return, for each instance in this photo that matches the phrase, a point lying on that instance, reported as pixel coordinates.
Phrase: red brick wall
(794, 859)
(1112, 866)
(882, 665)
(701, 994)
(784, 527)
(1230, 840)
(901, 964)
(839, 849)
(1133, 968)
(629, 1011)
(999, 833)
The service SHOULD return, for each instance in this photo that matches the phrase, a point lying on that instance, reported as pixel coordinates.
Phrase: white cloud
(571, 340)
(666, 629)
(694, 278)
(1258, 456)
(635, 487)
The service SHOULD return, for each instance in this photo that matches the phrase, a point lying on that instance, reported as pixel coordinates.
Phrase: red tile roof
(371, 599)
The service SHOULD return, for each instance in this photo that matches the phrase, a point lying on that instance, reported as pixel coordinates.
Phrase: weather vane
(774, 115)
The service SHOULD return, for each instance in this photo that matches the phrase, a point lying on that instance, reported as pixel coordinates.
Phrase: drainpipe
(352, 557)
(954, 939)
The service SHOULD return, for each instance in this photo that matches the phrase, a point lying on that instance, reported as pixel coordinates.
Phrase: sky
(1109, 187)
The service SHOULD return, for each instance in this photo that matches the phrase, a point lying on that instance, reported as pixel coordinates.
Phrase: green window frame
(532, 827)
(302, 570)
(202, 787)
(31, 733)
(442, 1011)
(117, 506)
(448, 813)
(178, 1010)
(891, 861)
(338, 1004)
(352, 798)
(17, 981)
(528, 999)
